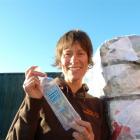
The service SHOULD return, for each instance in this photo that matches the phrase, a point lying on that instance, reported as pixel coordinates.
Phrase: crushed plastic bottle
(60, 105)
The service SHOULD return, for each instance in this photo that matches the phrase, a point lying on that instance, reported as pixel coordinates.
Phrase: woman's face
(74, 63)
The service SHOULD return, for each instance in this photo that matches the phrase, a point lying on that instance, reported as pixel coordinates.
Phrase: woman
(36, 121)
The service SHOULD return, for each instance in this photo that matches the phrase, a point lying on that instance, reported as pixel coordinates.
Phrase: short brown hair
(68, 39)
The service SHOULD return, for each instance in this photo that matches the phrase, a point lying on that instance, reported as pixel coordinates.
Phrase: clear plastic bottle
(58, 102)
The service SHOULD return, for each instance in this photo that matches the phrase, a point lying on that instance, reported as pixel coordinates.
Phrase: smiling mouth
(74, 68)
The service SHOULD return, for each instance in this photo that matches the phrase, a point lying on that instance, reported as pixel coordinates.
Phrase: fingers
(32, 76)
(32, 85)
(85, 124)
(32, 72)
(32, 81)
(79, 136)
(81, 126)
(29, 70)
(83, 130)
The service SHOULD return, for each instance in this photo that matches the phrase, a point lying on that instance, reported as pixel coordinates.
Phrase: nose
(74, 58)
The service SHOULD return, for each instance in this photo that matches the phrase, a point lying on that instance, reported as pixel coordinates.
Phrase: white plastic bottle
(58, 102)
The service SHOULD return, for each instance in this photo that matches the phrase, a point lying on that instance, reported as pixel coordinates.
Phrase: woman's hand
(83, 130)
(31, 84)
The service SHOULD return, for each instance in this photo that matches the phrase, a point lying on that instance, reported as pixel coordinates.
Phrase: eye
(81, 53)
(67, 53)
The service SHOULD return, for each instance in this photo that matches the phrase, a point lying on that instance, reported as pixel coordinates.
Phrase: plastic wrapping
(125, 117)
(120, 60)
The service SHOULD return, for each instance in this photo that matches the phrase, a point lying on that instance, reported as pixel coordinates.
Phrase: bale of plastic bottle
(120, 61)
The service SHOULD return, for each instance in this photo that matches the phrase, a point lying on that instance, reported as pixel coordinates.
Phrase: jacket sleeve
(26, 120)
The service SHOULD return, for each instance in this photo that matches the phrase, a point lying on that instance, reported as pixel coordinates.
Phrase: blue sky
(30, 29)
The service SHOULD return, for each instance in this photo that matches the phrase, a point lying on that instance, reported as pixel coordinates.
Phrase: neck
(74, 85)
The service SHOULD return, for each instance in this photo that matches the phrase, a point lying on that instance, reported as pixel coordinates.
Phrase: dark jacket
(36, 121)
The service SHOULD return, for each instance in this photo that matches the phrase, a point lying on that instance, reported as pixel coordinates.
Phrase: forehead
(74, 46)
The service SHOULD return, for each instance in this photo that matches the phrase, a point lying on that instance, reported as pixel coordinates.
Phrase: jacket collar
(81, 93)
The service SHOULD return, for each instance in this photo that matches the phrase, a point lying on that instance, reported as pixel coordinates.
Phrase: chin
(75, 78)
